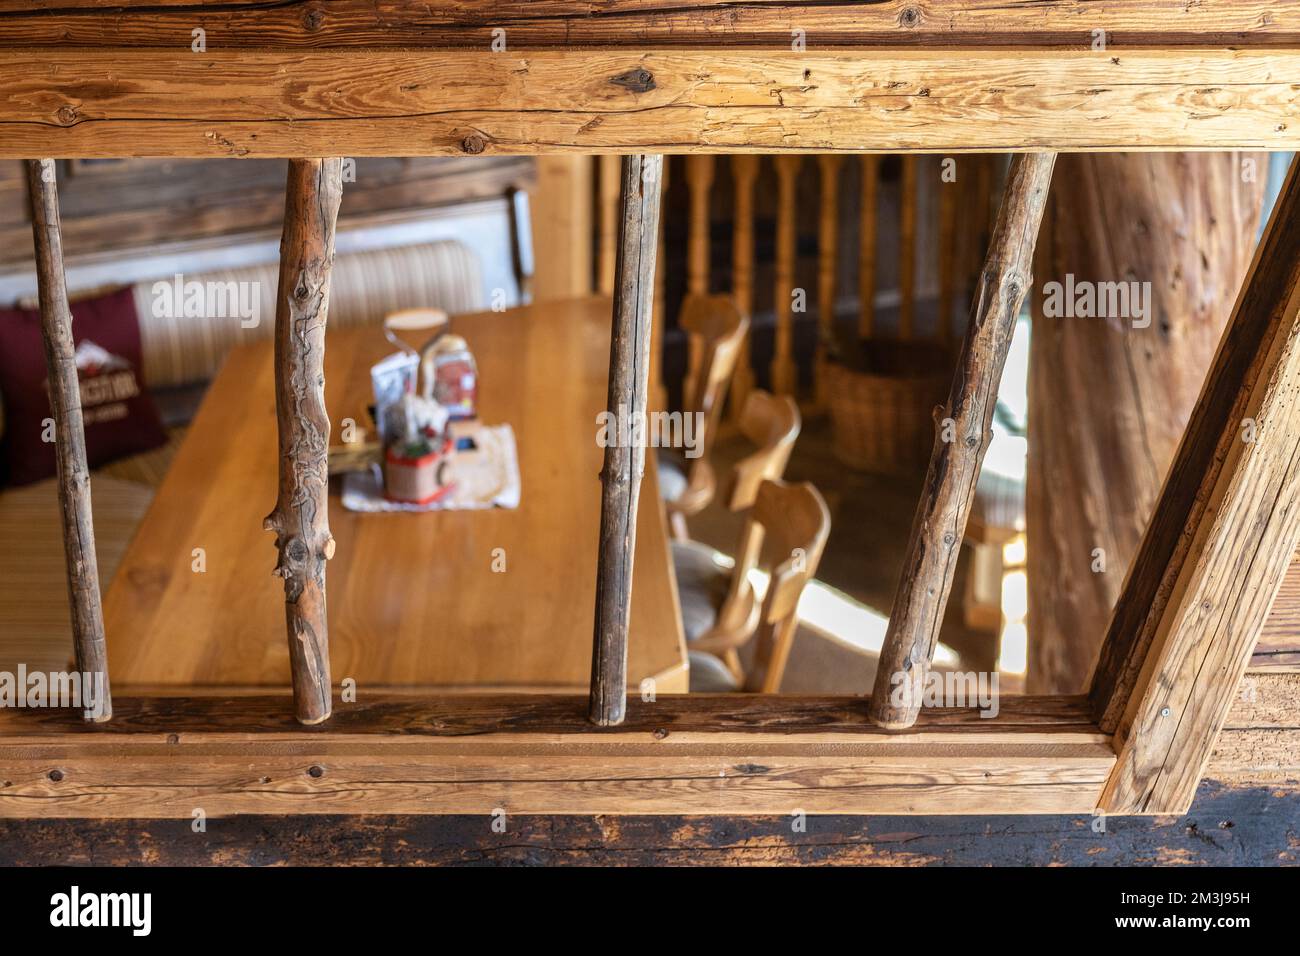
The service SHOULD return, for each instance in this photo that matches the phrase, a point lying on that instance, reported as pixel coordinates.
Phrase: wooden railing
(940, 230)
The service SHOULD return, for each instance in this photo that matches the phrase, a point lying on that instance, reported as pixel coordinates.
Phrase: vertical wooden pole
(907, 199)
(947, 256)
(658, 393)
(784, 373)
(620, 478)
(744, 173)
(828, 234)
(699, 182)
(867, 247)
(1187, 223)
(963, 436)
(301, 516)
(608, 240)
(69, 434)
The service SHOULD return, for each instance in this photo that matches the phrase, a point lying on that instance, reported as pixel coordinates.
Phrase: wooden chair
(794, 521)
(710, 608)
(717, 330)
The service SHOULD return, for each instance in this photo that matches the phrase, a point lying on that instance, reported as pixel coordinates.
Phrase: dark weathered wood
(531, 23)
(1227, 826)
(301, 516)
(1218, 545)
(962, 437)
(69, 434)
(1109, 399)
(543, 716)
(629, 377)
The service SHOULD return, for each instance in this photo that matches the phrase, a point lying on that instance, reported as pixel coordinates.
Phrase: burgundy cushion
(120, 416)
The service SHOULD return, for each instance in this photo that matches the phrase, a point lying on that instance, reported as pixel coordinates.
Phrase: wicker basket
(882, 413)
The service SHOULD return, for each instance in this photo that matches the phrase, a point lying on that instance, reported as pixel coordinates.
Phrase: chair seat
(673, 477)
(709, 675)
(701, 585)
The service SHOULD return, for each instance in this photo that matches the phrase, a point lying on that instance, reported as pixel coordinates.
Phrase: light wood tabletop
(413, 600)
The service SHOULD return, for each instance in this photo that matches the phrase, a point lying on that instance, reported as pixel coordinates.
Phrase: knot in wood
(909, 18)
(67, 114)
(296, 551)
(473, 144)
(638, 80)
(312, 19)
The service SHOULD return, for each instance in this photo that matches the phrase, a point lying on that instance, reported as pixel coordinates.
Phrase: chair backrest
(794, 521)
(797, 522)
(772, 423)
(717, 329)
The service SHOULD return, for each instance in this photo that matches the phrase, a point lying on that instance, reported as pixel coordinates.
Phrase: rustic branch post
(301, 516)
(629, 366)
(69, 432)
(962, 439)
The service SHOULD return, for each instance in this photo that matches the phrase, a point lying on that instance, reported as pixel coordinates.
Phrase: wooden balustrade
(69, 435)
(629, 374)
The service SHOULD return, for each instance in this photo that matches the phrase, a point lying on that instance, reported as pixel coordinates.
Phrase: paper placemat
(486, 477)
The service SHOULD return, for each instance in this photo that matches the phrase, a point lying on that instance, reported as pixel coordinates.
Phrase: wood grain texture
(733, 755)
(302, 24)
(1110, 399)
(300, 519)
(64, 388)
(366, 103)
(543, 371)
(1227, 826)
(620, 478)
(1217, 547)
(1279, 640)
(939, 524)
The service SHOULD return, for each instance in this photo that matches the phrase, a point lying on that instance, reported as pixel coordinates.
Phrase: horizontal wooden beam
(737, 755)
(97, 103)
(532, 23)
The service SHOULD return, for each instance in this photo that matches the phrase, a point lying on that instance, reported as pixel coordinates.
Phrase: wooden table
(413, 600)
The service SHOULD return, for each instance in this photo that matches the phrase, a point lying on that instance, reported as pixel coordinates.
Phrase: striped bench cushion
(364, 287)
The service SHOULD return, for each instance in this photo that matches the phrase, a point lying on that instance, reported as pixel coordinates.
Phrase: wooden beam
(963, 436)
(1109, 400)
(737, 755)
(404, 24)
(69, 437)
(301, 516)
(1217, 548)
(98, 102)
(620, 478)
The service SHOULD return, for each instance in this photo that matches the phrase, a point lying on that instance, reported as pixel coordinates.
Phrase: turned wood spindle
(784, 372)
(907, 199)
(69, 435)
(867, 247)
(620, 478)
(744, 174)
(301, 517)
(963, 434)
(827, 241)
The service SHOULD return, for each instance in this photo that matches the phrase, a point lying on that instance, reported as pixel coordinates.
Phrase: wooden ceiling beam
(98, 103)
(307, 24)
